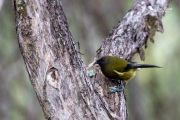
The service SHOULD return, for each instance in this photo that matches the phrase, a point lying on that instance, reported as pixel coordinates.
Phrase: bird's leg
(118, 88)
(121, 84)
(113, 80)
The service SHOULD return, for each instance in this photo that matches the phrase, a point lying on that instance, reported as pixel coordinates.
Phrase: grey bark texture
(59, 77)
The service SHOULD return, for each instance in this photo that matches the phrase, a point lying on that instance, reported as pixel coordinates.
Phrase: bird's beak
(95, 62)
(92, 64)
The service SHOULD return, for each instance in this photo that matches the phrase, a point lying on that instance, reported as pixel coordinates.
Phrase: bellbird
(119, 69)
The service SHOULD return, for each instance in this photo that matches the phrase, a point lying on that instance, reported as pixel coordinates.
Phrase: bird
(119, 69)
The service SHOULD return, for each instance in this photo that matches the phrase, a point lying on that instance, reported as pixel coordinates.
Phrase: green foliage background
(153, 95)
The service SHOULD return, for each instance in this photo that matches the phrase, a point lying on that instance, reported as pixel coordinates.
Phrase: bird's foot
(115, 89)
(118, 88)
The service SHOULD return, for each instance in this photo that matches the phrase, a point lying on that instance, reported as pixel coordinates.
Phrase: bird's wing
(119, 73)
(128, 67)
(132, 62)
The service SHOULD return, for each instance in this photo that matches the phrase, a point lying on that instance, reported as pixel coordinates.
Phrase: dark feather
(145, 66)
(131, 65)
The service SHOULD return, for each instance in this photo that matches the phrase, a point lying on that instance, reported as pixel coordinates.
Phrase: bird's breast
(128, 75)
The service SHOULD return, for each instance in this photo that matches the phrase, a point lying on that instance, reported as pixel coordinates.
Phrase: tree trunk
(60, 79)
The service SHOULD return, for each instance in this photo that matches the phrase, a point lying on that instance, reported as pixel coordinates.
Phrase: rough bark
(59, 77)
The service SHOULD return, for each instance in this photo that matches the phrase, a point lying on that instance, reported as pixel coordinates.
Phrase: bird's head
(102, 61)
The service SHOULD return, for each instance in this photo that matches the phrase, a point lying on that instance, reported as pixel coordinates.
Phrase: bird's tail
(145, 66)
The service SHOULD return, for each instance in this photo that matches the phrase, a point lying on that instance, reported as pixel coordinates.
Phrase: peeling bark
(59, 77)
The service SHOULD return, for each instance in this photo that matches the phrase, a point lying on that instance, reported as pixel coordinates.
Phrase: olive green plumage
(119, 69)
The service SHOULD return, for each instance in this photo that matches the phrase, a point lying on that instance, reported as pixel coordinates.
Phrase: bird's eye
(102, 60)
